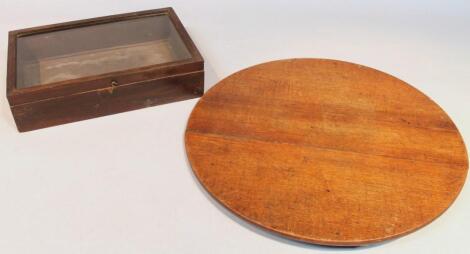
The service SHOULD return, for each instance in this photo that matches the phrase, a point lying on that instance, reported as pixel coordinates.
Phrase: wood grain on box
(84, 69)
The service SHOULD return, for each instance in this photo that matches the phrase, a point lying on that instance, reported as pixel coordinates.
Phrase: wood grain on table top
(325, 151)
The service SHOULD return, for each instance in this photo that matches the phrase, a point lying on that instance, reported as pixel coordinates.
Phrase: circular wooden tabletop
(326, 152)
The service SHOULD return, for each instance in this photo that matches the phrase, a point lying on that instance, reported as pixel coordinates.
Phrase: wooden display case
(83, 69)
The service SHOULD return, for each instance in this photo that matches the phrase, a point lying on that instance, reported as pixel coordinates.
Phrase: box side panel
(107, 101)
(11, 65)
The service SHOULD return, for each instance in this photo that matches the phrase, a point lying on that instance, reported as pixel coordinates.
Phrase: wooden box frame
(73, 100)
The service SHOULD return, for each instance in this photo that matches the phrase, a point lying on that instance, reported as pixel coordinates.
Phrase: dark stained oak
(88, 93)
(326, 152)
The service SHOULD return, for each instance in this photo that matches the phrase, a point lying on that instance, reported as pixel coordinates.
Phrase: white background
(122, 183)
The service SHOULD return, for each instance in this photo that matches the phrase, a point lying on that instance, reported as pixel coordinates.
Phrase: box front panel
(107, 101)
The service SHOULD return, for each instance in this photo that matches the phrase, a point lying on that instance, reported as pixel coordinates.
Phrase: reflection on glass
(93, 50)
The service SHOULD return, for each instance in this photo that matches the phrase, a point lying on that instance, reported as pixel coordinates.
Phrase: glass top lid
(93, 50)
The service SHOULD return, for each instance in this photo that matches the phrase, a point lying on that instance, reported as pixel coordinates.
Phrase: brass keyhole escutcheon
(114, 84)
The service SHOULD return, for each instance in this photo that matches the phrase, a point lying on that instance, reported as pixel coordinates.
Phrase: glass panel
(93, 50)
